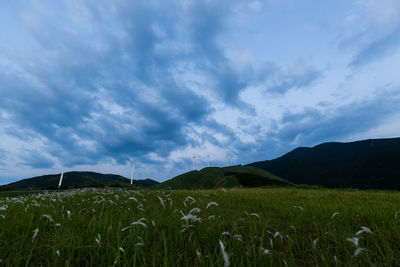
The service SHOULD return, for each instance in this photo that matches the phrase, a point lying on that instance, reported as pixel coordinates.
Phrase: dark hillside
(76, 179)
(373, 163)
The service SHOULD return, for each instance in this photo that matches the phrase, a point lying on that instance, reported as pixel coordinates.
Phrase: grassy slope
(214, 177)
(255, 218)
(75, 179)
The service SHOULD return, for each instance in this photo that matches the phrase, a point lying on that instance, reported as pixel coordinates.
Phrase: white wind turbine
(208, 160)
(61, 178)
(132, 171)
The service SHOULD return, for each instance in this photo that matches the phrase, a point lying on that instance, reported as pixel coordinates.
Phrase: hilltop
(215, 177)
(372, 163)
(76, 179)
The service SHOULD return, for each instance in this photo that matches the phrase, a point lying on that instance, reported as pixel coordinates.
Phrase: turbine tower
(208, 160)
(61, 178)
(132, 172)
(194, 161)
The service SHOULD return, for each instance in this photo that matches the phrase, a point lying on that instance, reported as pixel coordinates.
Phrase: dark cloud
(84, 92)
(313, 126)
(378, 49)
(35, 159)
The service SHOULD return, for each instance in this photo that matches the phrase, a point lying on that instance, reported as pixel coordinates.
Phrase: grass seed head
(364, 229)
(48, 217)
(265, 251)
(211, 204)
(298, 207)
(358, 251)
(35, 232)
(353, 240)
(225, 256)
(334, 214)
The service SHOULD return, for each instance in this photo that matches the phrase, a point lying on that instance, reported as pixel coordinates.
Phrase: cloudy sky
(90, 85)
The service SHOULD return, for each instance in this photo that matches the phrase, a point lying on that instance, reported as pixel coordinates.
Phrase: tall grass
(255, 227)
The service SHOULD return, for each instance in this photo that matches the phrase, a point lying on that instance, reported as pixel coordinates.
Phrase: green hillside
(215, 177)
(76, 179)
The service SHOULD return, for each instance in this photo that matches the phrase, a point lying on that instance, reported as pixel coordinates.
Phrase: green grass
(254, 218)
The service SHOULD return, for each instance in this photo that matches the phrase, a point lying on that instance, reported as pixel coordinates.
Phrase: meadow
(233, 227)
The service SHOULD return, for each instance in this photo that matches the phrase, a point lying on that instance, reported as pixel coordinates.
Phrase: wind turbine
(132, 172)
(60, 182)
(208, 160)
(194, 160)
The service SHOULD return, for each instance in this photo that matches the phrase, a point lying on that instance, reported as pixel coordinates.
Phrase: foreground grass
(256, 227)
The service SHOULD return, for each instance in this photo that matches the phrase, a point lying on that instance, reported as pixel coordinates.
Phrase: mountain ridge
(76, 179)
(370, 163)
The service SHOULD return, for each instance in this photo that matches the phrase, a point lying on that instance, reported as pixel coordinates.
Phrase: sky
(94, 84)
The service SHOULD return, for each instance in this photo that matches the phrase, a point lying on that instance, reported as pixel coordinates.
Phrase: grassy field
(237, 227)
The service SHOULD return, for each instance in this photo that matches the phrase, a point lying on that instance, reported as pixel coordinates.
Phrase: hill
(373, 164)
(214, 177)
(76, 179)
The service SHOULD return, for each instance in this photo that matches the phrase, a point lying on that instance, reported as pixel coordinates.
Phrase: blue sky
(90, 85)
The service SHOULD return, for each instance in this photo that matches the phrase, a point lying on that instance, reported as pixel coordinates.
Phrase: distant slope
(214, 177)
(373, 163)
(73, 179)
